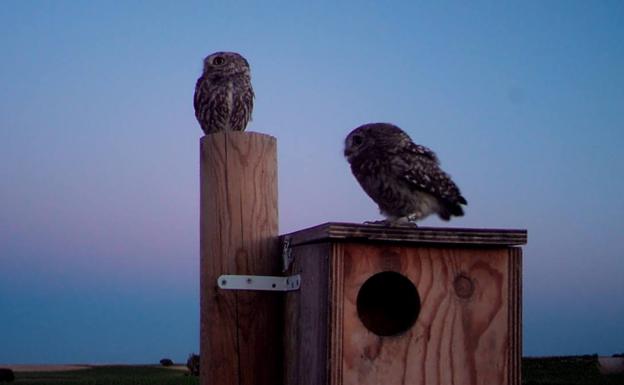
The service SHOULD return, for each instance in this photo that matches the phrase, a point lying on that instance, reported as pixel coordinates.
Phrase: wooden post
(240, 336)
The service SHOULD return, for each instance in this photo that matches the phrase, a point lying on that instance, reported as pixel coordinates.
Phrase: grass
(581, 370)
(109, 375)
(535, 371)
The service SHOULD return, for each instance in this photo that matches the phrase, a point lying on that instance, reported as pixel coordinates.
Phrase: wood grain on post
(240, 336)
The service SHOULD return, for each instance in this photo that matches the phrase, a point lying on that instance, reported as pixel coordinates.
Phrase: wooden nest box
(396, 305)
(376, 305)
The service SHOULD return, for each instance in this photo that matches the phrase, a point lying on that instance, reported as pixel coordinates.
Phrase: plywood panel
(307, 318)
(515, 315)
(427, 236)
(457, 338)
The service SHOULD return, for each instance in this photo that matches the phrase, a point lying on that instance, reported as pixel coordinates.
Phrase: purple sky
(99, 152)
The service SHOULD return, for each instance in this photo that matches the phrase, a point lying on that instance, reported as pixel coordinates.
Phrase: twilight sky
(522, 101)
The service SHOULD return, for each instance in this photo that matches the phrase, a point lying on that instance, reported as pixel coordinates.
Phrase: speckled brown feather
(403, 178)
(223, 97)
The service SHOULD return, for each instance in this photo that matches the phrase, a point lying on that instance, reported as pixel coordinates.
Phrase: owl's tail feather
(449, 209)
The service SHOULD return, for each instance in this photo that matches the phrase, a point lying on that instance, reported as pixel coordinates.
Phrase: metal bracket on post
(259, 282)
(287, 256)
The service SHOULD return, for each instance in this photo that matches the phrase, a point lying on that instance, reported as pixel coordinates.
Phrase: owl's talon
(386, 222)
(406, 224)
(380, 222)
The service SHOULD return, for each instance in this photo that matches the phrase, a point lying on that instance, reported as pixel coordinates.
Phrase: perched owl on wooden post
(223, 94)
(403, 178)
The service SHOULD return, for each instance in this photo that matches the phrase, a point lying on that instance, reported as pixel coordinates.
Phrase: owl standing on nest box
(403, 178)
(223, 94)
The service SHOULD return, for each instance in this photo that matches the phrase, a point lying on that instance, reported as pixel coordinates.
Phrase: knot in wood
(464, 286)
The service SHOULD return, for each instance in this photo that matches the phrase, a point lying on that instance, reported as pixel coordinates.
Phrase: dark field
(535, 371)
(566, 371)
(109, 375)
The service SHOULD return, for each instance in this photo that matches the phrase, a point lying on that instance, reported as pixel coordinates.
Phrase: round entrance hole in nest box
(388, 303)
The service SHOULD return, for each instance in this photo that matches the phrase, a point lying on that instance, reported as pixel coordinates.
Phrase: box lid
(337, 231)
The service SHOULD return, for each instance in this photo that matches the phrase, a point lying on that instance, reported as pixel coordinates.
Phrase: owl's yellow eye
(218, 61)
